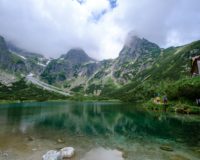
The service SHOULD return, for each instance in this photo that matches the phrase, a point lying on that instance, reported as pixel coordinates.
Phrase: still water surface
(28, 130)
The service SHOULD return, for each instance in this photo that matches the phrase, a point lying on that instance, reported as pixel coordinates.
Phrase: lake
(29, 130)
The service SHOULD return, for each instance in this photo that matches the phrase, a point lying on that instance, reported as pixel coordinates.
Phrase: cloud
(99, 27)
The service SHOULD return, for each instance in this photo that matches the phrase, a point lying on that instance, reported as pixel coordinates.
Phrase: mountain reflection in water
(108, 129)
(99, 119)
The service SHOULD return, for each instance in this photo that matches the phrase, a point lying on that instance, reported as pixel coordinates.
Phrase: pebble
(60, 140)
(166, 148)
(34, 149)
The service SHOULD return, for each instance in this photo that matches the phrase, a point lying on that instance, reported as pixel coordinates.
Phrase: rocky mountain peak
(77, 56)
(132, 40)
(135, 47)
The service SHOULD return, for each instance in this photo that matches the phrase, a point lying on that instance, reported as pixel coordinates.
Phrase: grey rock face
(135, 47)
(77, 56)
(75, 63)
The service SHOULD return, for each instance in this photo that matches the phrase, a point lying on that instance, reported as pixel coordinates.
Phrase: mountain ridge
(138, 61)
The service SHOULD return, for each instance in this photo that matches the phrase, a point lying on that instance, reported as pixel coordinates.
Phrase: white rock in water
(51, 155)
(66, 152)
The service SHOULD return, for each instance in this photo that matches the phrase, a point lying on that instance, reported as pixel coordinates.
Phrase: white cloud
(53, 27)
(96, 6)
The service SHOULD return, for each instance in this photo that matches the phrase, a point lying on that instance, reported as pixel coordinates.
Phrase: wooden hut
(195, 69)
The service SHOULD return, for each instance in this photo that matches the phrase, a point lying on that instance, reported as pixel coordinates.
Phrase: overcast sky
(52, 27)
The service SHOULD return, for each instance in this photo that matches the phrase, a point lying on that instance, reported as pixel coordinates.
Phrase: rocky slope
(15, 62)
(69, 66)
(10, 62)
(34, 62)
(136, 56)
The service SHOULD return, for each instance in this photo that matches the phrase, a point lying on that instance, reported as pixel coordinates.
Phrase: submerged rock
(67, 152)
(166, 148)
(51, 155)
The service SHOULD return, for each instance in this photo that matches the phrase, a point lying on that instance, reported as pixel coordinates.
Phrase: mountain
(136, 55)
(10, 62)
(77, 72)
(14, 66)
(22, 52)
(76, 56)
(136, 47)
(172, 66)
(173, 63)
(18, 61)
(141, 70)
(72, 64)
(35, 63)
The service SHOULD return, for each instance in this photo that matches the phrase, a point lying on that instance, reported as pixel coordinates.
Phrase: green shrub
(186, 89)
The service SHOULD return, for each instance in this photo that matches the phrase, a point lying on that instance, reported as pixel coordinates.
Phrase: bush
(187, 89)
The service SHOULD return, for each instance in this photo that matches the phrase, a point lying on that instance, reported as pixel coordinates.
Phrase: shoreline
(61, 100)
(175, 107)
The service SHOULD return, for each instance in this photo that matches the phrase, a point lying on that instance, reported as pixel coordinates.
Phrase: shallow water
(28, 130)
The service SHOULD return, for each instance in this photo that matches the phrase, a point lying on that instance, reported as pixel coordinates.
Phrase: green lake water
(28, 130)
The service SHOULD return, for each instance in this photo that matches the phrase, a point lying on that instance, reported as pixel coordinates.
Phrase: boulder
(51, 155)
(67, 152)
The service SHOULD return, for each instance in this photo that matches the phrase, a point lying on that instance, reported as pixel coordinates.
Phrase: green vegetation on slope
(170, 75)
(22, 91)
(188, 89)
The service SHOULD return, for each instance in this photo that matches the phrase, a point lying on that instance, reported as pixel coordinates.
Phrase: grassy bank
(181, 94)
(174, 106)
